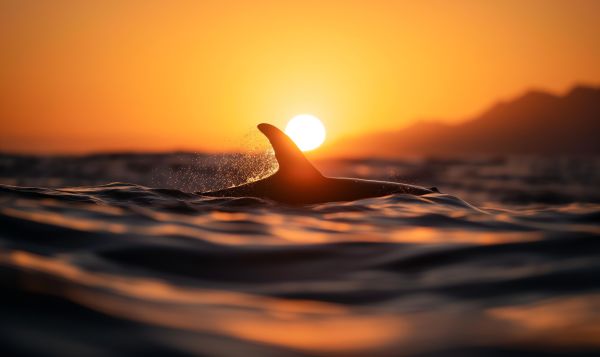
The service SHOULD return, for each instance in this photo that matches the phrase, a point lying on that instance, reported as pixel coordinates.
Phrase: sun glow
(307, 131)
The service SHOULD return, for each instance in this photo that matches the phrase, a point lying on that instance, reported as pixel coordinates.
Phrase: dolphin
(298, 182)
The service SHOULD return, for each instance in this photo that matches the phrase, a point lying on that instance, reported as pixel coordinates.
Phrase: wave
(127, 269)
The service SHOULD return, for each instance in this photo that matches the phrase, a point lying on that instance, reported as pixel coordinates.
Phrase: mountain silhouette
(534, 123)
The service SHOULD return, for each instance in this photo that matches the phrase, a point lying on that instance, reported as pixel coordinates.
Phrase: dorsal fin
(291, 160)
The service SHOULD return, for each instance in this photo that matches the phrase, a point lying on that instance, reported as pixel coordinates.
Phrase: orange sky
(81, 76)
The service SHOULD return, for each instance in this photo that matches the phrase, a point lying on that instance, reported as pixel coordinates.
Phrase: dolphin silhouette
(297, 181)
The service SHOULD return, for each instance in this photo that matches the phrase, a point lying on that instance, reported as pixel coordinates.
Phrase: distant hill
(534, 123)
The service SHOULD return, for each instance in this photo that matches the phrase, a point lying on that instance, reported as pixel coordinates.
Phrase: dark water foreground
(122, 269)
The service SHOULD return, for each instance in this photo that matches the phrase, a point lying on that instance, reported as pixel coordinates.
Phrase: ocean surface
(114, 254)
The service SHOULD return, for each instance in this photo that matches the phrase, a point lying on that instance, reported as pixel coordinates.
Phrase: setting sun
(307, 131)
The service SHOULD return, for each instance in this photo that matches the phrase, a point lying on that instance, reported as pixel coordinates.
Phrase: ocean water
(111, 255)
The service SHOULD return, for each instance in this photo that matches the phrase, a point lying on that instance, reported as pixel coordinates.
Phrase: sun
(307, 131)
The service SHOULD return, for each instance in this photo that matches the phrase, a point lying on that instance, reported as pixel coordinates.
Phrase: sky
(86, 76)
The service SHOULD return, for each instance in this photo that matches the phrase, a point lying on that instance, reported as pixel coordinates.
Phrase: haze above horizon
(144, 75)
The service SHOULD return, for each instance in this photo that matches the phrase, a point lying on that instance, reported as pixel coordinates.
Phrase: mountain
(534, 123)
